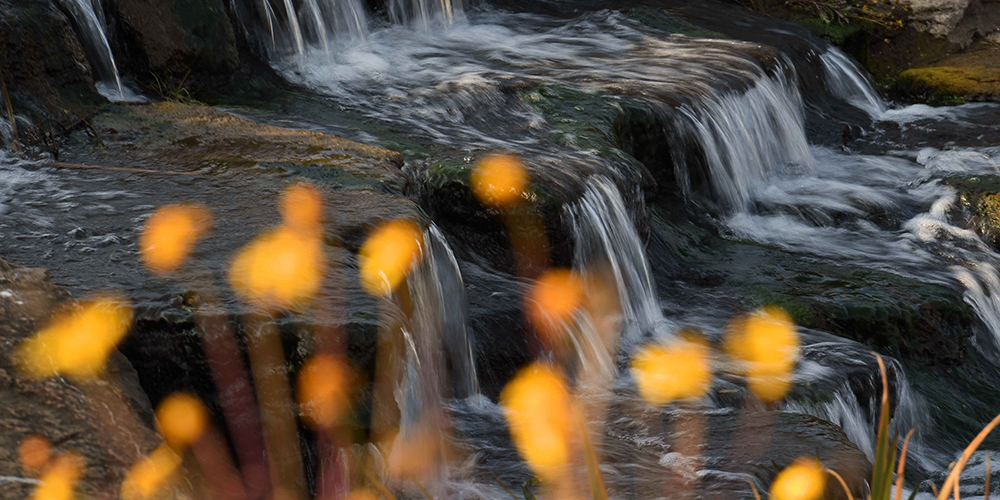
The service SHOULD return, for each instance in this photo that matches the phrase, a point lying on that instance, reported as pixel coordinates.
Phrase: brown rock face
(174, 44)
(43, 64)
(102, 422)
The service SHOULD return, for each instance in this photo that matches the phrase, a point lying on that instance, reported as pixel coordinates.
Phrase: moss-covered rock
(971, 75)
(980, 197)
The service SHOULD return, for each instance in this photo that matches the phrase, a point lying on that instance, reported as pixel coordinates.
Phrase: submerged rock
(106, 422)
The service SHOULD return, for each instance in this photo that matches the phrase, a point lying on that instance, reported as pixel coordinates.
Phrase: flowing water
(90, 29)
(725, 122)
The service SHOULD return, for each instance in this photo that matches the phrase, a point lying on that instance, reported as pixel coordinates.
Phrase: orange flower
(539, 411)
(767, 344)
(388, 254)
(362, 495)
(282, 269)
(805, 479)
(170, 233)
(499, 180)
(60, 479)
(77, 344)
(323, 391)
(664, 373)
(181, 419)
(302, 207)
(151, 475)
(553, 301)
(34, 453)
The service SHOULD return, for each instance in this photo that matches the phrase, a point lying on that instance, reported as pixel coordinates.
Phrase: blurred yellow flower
(553, 301)
(77, 344)
(60, 479)
(805, 479)
(170, 233)
(665, 373)
(34, 453)
(323, 391)
(181, 418)
(499, 180)
(767, 344)
(302, 207)
(151, 474)
(282, 269)
(539, 411)
(363, 495)
(388, 255)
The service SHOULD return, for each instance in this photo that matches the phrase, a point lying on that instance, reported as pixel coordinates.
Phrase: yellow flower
(553, 301)
(34, 453)
(149, 477)
(181, 419)
(60, 479)
(664, 373)
(362, 495)
(388, 254)
(302, 207)
(77, 344)
(539, 411)
(323, 390)
(170, 233)
(767, 344)
(805, 479)
(282, 269)
(499, 180)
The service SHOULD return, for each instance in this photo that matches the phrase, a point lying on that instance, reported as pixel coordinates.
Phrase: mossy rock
(980, 197)
(950, 84)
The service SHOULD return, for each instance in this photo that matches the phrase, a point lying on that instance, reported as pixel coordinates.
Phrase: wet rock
(175, 46)
(972, 74)
(107, 422)
(980, 197)
(958, 21)
(44, 66)
(199, 139)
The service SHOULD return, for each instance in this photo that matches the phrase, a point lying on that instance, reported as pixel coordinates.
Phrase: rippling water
(479, 83)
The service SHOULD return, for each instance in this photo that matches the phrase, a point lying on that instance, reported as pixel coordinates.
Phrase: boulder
(958, 21)
(44, 67)
(106, 422)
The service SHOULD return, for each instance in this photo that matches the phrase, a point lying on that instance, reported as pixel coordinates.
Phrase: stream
(696, 164)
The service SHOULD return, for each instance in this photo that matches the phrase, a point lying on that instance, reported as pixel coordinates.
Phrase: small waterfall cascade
(855, 406)
(845, 80)
(91, 32)
(606, 236)
(744, 137)
(288, 27)
(424, 12)
(439, 338)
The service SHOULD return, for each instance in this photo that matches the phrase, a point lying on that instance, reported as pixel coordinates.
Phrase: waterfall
(846, 81)
(95, 43)
(857, 410)
(744, 137)
(424, 12)
(440, 321)
(605, 235)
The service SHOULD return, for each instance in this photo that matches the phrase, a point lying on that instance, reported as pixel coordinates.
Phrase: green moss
(835, 32)
(672, 24)
(948, 84)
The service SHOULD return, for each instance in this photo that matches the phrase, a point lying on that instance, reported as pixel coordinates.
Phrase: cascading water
(745, 136)
(424, 12)
(91, 32)
(604, 235)
(846, 81)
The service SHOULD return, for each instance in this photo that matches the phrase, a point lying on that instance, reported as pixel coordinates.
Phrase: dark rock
(107, 422)
(174, 46)
(44, 66)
